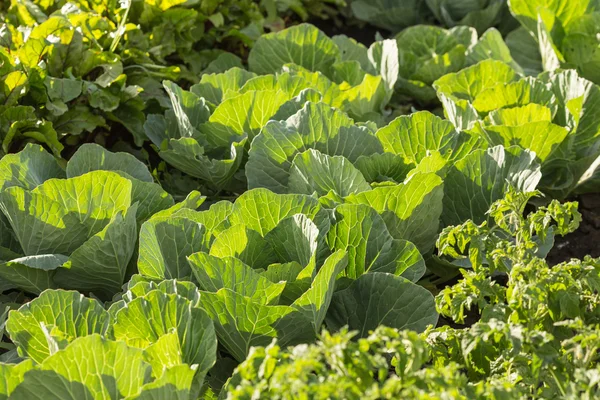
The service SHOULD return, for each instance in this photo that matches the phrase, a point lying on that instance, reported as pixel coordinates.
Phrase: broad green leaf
(224, 62)
(190, 110)
(316, 126)
(78, 119)
(297, 239)
(329, 90)
(64, 90)
(516, 116)
(434, 163)
(541, 137)
(89, 368)
(349, 72)
(297, 279)
(100, 264)
(406, 261)
(580, 99)
(351, 50)
(188, 156)
(215, 219)
(11, 375)
(39, 130)
(69, 312)
(476, 181)
(314, 172)
(429, 52)
(382, 299)
(245, 244)
(14, 86)
(461, 113)
(288, 82)
(165, 242)
(140, 286)
(32, 274)
(364, 101)
(240, 322)
(28, 168)
(480, 15)
(302, 44)
(92, 157)
(241, 116)
(571, 93)
(213, 87)
(314, 303)
(147, 318)
(361, 232)
(192, 201)
(551, 12)
(491, 46)
(214, 273)
(520, 93)
(411, 210)
(383, 167)
(59, 215)
(582, 51)
(165, 353)
(177, 383)
(524, 49)
(413, 136)
(150, 197)
(390, 15)
(262, 210)
(470, 82)
(296, 104)
(383, 56)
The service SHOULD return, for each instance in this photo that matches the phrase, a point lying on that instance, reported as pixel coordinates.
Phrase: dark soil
(585, 240)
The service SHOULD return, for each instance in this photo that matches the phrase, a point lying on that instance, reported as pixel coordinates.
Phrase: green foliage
(214, 199)
(537, 336)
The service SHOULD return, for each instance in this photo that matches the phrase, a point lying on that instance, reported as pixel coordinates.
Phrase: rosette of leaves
(362, 79)
(287, 258)
(427, 53)
(551, 115)
(210, 145)
(159, 345)
(74, 228)
(207, 129)
(349, 157)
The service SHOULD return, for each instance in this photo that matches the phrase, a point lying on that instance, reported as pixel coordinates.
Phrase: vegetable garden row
(215, 199)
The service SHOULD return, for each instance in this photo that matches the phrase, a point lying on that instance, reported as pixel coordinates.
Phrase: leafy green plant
(428, 53)
(537, 336)
(558, 34)
(293, 263)
(324, 194)
(549, 115)
(69, 228)
(155, 343)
